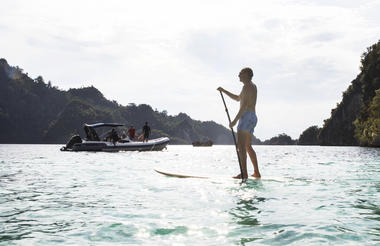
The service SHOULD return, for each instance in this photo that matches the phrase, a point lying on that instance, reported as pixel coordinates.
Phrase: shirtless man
(247, 121)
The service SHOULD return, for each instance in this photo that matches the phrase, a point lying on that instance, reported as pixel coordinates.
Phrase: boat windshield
(91, 134)
(108, 133)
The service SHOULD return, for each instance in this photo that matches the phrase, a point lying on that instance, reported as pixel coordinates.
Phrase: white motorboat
(110, 142)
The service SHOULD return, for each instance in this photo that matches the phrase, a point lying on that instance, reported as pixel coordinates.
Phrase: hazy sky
(174, 54)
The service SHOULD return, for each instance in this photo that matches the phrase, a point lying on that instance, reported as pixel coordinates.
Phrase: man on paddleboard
(247, 120)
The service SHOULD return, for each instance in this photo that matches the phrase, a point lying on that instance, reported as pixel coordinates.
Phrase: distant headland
(33, 111)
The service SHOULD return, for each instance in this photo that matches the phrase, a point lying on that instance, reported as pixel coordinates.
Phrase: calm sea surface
(316, 195)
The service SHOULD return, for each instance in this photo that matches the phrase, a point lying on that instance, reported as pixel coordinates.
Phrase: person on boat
(123, 138)
(146, 132)
(123, 135)
(132, 133)
(112, 136)
(247, 120)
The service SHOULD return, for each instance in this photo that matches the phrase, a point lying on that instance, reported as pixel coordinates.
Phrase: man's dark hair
(248, 71)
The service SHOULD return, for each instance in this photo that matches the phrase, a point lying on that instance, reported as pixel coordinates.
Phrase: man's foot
(237, 176)
(256, 175)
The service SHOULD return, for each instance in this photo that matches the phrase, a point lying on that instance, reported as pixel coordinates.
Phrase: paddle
(233, 135)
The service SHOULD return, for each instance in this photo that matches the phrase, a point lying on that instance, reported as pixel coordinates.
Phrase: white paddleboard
(184, 176)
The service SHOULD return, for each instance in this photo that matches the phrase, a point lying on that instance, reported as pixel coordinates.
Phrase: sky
(173, 55)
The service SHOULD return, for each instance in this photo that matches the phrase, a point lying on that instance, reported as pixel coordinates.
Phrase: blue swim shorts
(247, 122)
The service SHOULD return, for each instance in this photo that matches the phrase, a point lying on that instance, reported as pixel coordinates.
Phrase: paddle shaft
(233, 136)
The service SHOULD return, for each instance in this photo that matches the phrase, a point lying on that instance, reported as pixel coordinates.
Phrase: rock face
(32, 111)
(339, 128)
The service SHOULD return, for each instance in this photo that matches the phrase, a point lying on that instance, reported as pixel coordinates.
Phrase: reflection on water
(323, 195)
(246, 211)
(245, 214)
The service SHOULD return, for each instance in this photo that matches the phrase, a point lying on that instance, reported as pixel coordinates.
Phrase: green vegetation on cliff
(368, 129)
(367, 125)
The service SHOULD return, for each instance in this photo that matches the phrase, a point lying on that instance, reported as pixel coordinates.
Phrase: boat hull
(152, 145)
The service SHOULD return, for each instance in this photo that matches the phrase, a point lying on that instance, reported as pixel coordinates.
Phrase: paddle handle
(233, 136)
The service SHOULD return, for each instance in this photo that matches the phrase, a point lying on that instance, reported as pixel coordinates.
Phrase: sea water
(314, 196)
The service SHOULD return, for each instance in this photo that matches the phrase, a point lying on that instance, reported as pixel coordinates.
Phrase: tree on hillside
(310, 136)
(40, 80)
(281, 139)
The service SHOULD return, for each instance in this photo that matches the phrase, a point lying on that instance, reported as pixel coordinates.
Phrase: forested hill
(356, 119)
(33, 111)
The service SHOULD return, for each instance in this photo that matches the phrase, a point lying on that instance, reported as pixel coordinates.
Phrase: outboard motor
(73, 140)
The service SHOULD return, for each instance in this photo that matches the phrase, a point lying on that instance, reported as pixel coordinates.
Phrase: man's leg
(242, 139)
(253, 157)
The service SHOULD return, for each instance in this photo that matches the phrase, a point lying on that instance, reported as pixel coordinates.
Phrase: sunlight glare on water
(309, 195)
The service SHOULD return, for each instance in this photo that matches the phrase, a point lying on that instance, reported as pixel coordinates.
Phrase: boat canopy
(91, 134)
(103, 124)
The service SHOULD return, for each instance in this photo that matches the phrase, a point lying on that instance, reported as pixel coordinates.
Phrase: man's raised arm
(233, 96)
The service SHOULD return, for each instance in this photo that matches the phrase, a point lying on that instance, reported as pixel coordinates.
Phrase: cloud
(322, 37)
